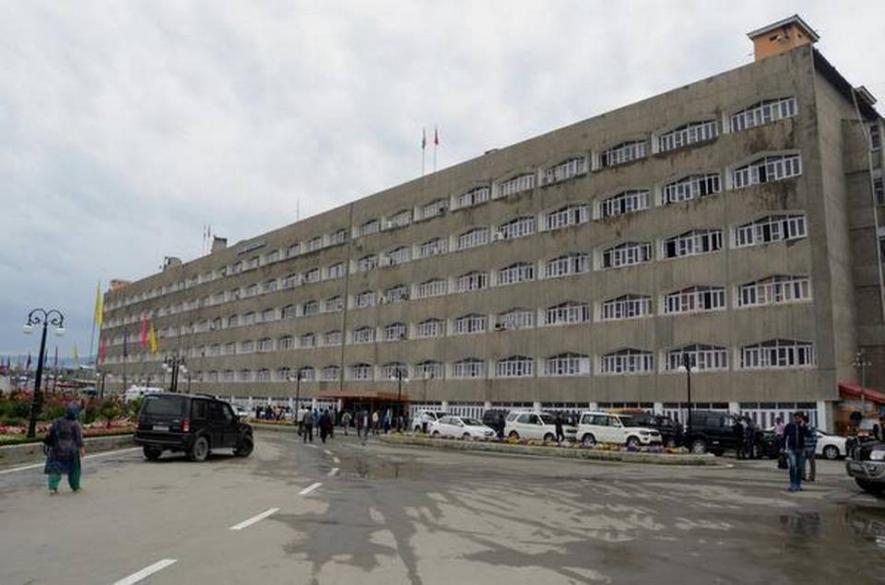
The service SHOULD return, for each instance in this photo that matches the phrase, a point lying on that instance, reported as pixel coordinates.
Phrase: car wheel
(200, 450)
(549, 437)
(466, 436)
(244, 449)
(152, 453)
(699, 446)
(632, 442)
(831, 452)
(588, 440)
(871, 487)
(513, 435)
(435, 434)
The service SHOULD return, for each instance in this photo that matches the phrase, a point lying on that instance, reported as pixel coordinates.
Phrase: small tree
(109, 410)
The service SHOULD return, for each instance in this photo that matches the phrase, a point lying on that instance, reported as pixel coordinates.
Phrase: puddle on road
(381, 469)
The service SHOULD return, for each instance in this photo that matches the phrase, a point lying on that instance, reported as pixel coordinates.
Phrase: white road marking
(336, 460)
(97, 455)
(254, 519)
(309, 489)
(333, 472)
(312, 446)
(145, 573)
(327, 452)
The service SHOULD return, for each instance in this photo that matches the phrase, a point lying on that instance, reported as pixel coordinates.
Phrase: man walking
(560, 435)
(307, 429)
(345, 421)
(794, 444)
(810, 447)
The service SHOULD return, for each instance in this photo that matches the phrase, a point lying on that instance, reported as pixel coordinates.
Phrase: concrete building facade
(736, 220)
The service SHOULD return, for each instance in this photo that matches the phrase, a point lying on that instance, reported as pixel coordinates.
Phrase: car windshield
(164, 405)
(547, 419)
(471, 422)
(628, 420)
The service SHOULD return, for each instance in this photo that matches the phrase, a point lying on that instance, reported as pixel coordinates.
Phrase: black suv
(192, 423)
(712, 431)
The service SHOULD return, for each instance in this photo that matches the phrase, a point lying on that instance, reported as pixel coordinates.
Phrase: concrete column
(734, 407)
(658, 408)
(593, 406)
(536, 406)
(825, 416)
(291, 404)
(339, 405)
(487, 405)
(313, 403)
(445, 405)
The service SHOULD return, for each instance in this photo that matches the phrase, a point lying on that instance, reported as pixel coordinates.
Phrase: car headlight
(877, 455)
(644, 433)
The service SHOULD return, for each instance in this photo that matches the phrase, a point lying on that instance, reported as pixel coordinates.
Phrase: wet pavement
(385, 514)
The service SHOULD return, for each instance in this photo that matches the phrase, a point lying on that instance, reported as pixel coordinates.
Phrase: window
(566, 170)
(265, 344)
(213, 376)
(263, 375)
(624, 153)
(372, 226)
(251, 290)
(764, 112)
(429, 370)
(293, 250)
(430, 328)
(469, 368)
(573, 263)
(268, 315)
(396, 294)
(879, 191)
(400, 218)
(311, 308)
(567, 364)
(307, 340)
(433, 247)
(338, 237)
(312, 275)
(291, 281)
(691, 187)
(399, 255)
(626, 254)
(774, 228)
(363, 335)
(473, 197)
(395, 332)
(766, 170)
(283, 374)
(332, 337)
(473, 238)
(516, 273)
(245, 376)
(701, 357)
(567, 313)
(330, 373)
(393, 370)
(315, 244)
(336, 270)
(333, 304)
(472, 323)
(472, 281)
(367, 263)
(626, 307)
(230, 348)
(778, 353)
(248, 319)
(365, 299)
(515, 367)
(692, 243)
(269, 285)
(518, 184)
(288, 312)
(875, 136)
(432, 288)
(517, 228)
(628, 361)
(434, 208)
(285, 342)
(515, 319)
(566, 216)
(688, 134)
(308, 374)
(361, 372)
(774, 290)
(227, 376)
(623, 203)
(695, 299)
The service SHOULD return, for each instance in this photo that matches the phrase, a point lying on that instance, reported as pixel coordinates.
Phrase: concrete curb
(290, 428)
(30, 452)
(541, 451)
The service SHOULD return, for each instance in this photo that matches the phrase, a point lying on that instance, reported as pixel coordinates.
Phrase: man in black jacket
(794, 445)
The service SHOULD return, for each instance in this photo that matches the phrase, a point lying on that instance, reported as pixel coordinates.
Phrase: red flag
(435, 136)
(143, 336)
(102, 350)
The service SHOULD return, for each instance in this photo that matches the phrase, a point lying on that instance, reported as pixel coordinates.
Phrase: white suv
(425, 418)
(532, 425)
(606, 427)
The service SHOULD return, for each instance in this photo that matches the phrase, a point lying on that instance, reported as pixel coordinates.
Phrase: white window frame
(692, 243)
(518, 227)
(566, 216)
(625, 202)
(567, 313)
(624, 153)
(434, 287)
(626, 254)
(361, 371)
(435, 208)
(516, 273)
(703, 358)
(515, 319)
(399, 255)
(688, 134)
(310, 308)
(691, 187)
(778, 354)
(627, 361)
(764, 112)
(430, 328)
(694, 299)
(767, 169)
(332, 338)
(307, 340)
(395, 331)
(473, 238)
(330, 373)
(624, 307)
(429, 369)
(774, 290)
(362, 335)
(471, 324)
(517, 184)
(469, 368)
(771, 229)
(566, 365)
(365, 299)
(367, 263)
(473, 197)
(517, 366)
(567, 265)
(336, 270)
(433, 247)
(373, 226)
(472, 281)
(565, 170)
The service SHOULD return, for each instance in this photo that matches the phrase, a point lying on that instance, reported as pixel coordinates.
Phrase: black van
(712, 431)
(191, 423)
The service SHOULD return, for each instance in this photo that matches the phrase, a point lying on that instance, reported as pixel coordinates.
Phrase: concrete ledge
(542, 451)
(31, 452)
(287, 428)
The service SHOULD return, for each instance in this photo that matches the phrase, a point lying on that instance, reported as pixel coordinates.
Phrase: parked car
(461, 427)
(867, 466)
(610, 427)
(496, 419)
(832, 446)
(422, 421)
(711, 431)
(193, 424)
(670, 430)
(533, 425)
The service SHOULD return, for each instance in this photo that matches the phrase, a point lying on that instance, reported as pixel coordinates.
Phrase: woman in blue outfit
(64, 444)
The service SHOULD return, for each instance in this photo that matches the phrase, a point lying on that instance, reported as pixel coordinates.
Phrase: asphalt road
(357, 514)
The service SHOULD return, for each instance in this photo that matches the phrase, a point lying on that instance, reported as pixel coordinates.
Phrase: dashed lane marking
(96, 456)
(145, 572)
(254, 519)
(309, 489)
(327, 452)
(336, 460)
(333, 472)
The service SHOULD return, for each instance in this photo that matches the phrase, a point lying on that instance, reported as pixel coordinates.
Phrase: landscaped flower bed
(573, 445)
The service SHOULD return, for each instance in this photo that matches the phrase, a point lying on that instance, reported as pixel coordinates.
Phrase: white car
(424, 419)
(240, 411)
(606, 427)
(830, 446)
(533, 425)
(461, 427)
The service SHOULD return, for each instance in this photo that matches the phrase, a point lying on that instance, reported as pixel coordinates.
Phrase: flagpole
(435, 145)
(423, 149)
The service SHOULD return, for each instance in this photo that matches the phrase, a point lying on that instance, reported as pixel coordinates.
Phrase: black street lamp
(400, 375)
(297, 379)
(174, 364)
(102, 376)
(687, 364)
(45, 318)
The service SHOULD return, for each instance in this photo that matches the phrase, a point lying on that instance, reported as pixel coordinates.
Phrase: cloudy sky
(127, 126)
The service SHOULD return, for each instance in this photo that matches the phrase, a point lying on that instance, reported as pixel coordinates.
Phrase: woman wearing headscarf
(65, 447)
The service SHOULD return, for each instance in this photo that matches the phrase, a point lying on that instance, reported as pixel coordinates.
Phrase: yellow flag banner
(152, 339)
(99, 305)
(76, 355)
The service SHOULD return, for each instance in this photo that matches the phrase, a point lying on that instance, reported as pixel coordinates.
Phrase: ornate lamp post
(36, 318)
(296, 377)
(861, 363)
(687, 364)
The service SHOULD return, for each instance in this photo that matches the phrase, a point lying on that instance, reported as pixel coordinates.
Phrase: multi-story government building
(736, 220)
